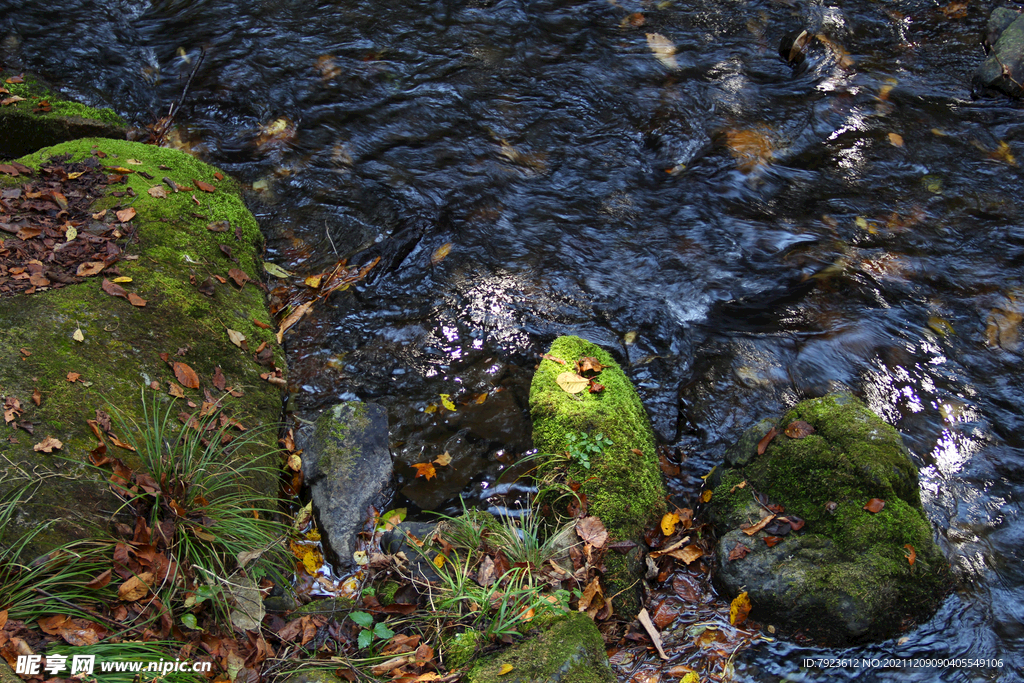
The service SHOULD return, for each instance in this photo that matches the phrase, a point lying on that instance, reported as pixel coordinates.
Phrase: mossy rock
(569, 651)
(122, 343)
(845, 576)
(25, 129)
(623, 484)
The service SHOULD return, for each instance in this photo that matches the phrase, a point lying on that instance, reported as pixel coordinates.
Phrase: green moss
(459, 650)
(123, 343)
(827, 478)
(386, 593)
(571, 651)
(338, 607)
(624, 489)
(335, 456)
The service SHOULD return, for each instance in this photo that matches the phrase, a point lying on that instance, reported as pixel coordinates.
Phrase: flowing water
(650, 175)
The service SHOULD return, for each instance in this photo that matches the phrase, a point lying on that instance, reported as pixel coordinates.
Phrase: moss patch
(826, 478)
(571, 651)
(123, 343)
(24, 129)
(623, 489)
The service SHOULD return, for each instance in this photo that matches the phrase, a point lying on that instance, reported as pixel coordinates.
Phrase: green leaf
(275, 270)
(189, 620)
(382, 631)
(365, 638)
(364, 619)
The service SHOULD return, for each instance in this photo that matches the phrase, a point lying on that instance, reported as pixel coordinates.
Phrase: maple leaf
(424, 469)
(443, 459)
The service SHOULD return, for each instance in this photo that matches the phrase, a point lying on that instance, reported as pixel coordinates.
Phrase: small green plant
(582, 446)
(370, 630)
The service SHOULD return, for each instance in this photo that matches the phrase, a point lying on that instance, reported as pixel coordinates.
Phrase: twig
(79, 607)
(328, 233)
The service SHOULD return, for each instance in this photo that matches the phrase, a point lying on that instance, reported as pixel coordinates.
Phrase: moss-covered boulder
(180, 268)
(623, 484)
(570, 651)
(846, 575)
(27, 125)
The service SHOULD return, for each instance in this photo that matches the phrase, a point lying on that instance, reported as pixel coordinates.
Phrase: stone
(1003, 69)
(623, 485)
(845, 576)
(396, 541)
(569, 651)
(347, 468)
(24, 128)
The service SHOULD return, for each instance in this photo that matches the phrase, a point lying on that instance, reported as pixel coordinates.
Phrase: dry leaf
(37, 397)
(739, 608)
(236, 337)
(77, 335)
(239, 276)
(440, 253)
(592, 531)
(73, 376)
(292, 318)
(157, 191)
(424, 469)
(762, 445)
(874, 505)
(571, 382)
(911, 555)
(668, 523)
(895, 139)
(645, 620)
(47, 445)
(738, 552)
(798, 429)
(135, 588)
(125, 215)
(663, 49)
(186, 375)
(136, 300)
(89, 268)
(750, 531)
(175, 390)
(443, 459)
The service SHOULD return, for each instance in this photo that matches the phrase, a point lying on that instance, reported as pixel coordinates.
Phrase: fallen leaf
(125, 215)
(100, 581)
(739, 608)
(750, 147)
(113, 290)
(738, 552)
(762, 445)
(440, 253)
(157, 191)
(912, 555)
(424, 469)
(175, 390)
(205, 187)
(741, 485)
(505, 668)
(446, 401)
(239, 276)
(48, 445)
(750, 531)
(705, 496)
(874, 505)
(136, 300)
(292, 318)
(668, 523)
(652, 631)
(37, 397)
(73, 376)
(443, 459)
(274, 269)
(78, 336)
(439, 560)
(186, 375)
(592, 531)
(663, 48)
(133, 162)
(798, 429)
(135, 587)
(572, 383)
(236, 337)
(895, 139)
(772, 541)
(89, 268)
(589, 364)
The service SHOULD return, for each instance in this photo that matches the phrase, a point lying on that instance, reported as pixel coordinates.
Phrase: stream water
(652, 176)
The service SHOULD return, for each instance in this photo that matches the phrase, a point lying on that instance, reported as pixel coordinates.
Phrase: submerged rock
(1003, 69)
(836, 571)
(347, 465)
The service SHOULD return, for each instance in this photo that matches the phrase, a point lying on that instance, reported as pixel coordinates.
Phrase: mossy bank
(847, 574)
(121, 346)
(623, 485)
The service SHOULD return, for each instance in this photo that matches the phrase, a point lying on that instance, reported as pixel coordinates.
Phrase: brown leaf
(136, 300)
(219, 381)
(239, 276)
(292, 318)
(760, 525)
(89, 268)
(799, 429)
(874, 505)
(772, 541)
(157, 191)
(218, 226)
(101, 580)
(262, 325)
(589, 364)
(47, 445)
(125, 215)
(37, 397)
(135, 588)
(762, 445)
(739, 608)
(205, 187)
(738, 552)
(687, 554)
(592, 531)
(175, 390)
(186, 375)
(911, 555)
(440, 253)
(113, 289)
(424, 469)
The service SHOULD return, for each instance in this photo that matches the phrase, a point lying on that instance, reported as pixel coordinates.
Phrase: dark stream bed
(740, 233)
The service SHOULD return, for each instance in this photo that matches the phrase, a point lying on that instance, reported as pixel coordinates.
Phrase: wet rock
(29, 124)
(347, 467)
(570, 651)
(844, 575)
(397, 540)
(1003, 69)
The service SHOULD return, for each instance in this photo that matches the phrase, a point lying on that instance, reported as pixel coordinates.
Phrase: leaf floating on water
(874, 505)
(443, 459)
(440, 253)
(664, 49)
(940, 326)
(798, 429)
(292, 318)
(424, 469)
(739, 608)
(895, 139)
(446, 401)
(272, 268)
(751, 147)
(837, 50)
(571, 382)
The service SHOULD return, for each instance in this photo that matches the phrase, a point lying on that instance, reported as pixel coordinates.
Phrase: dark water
(759, 234)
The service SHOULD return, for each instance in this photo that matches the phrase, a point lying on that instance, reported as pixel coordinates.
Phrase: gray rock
(1003, 69)
(347, 467)
(396, 541)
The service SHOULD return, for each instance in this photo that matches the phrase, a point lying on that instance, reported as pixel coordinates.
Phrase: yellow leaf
(71, 234)
(424, 469)
(314, 281)
(690, 677)
(360, 557)
(76, 174)
(440, 253)
(739, 608)
(571, 382)
(663, 48)
(668, 523)
(940, 325)
(309, 555)
(481, 398)
(896, 139)
(439, 561)
(392, 518)
(446, 401)
(432, 408)
(710, 472)
(505, 668)
(78, 336)
(443, 459)
(122, 279)
(706, 496)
